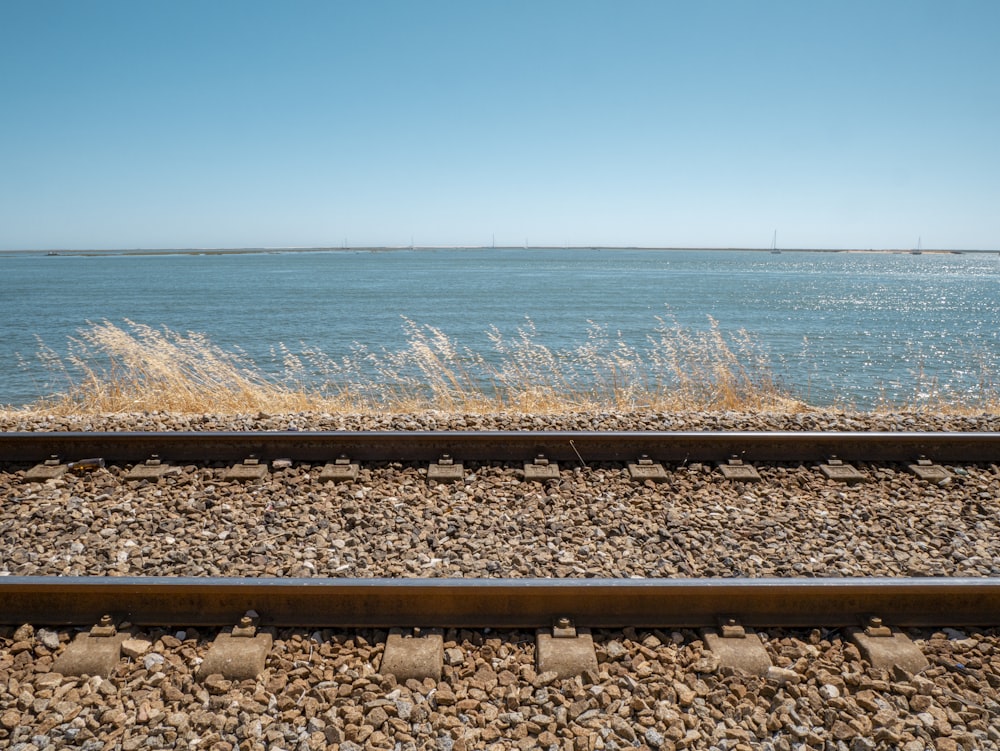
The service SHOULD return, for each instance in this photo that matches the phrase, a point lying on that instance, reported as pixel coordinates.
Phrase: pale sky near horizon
(241, 123)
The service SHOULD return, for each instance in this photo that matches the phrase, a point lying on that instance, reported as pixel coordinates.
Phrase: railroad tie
(238, 655)
(541, 469)
(152, 469)
(737, 649)
(414, 654)
(565, 650)
(251, 469)
(342, 469)
(95, 652)
(735, 469)
(50, 469)
(886, 649)
(445, 469)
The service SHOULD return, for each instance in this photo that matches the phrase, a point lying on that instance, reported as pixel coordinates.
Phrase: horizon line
(317, 248)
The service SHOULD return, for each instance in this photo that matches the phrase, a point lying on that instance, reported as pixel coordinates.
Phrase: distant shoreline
(390, 249)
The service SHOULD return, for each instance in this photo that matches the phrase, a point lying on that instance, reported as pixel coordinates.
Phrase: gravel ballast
(592, 521)
(653, 689)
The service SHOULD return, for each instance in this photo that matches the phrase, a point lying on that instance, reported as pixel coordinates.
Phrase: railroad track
(521, 603)
(886, 618)
(644, 453)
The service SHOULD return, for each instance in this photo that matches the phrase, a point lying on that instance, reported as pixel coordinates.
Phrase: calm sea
(847, 327)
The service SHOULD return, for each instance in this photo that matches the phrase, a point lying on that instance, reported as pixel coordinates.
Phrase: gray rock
(654, 738)
(49, 639)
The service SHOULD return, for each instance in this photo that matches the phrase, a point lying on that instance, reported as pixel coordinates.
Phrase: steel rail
(513, 446)
(501, 603)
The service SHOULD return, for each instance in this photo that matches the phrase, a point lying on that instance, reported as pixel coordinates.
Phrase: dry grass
(111, 368)
(131, 368)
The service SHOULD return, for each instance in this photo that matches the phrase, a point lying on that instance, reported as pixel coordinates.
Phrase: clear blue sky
(242, 123)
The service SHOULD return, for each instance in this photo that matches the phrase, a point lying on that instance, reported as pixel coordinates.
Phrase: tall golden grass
(112, 368)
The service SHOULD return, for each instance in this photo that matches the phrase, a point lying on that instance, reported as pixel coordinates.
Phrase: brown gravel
(653, 689)
(806, 420)
(593, 521)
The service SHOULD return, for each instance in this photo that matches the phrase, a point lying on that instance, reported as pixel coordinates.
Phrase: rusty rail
(504, 446)
(501, 603)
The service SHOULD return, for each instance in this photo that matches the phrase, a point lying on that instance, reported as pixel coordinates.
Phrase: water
(837, 327)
